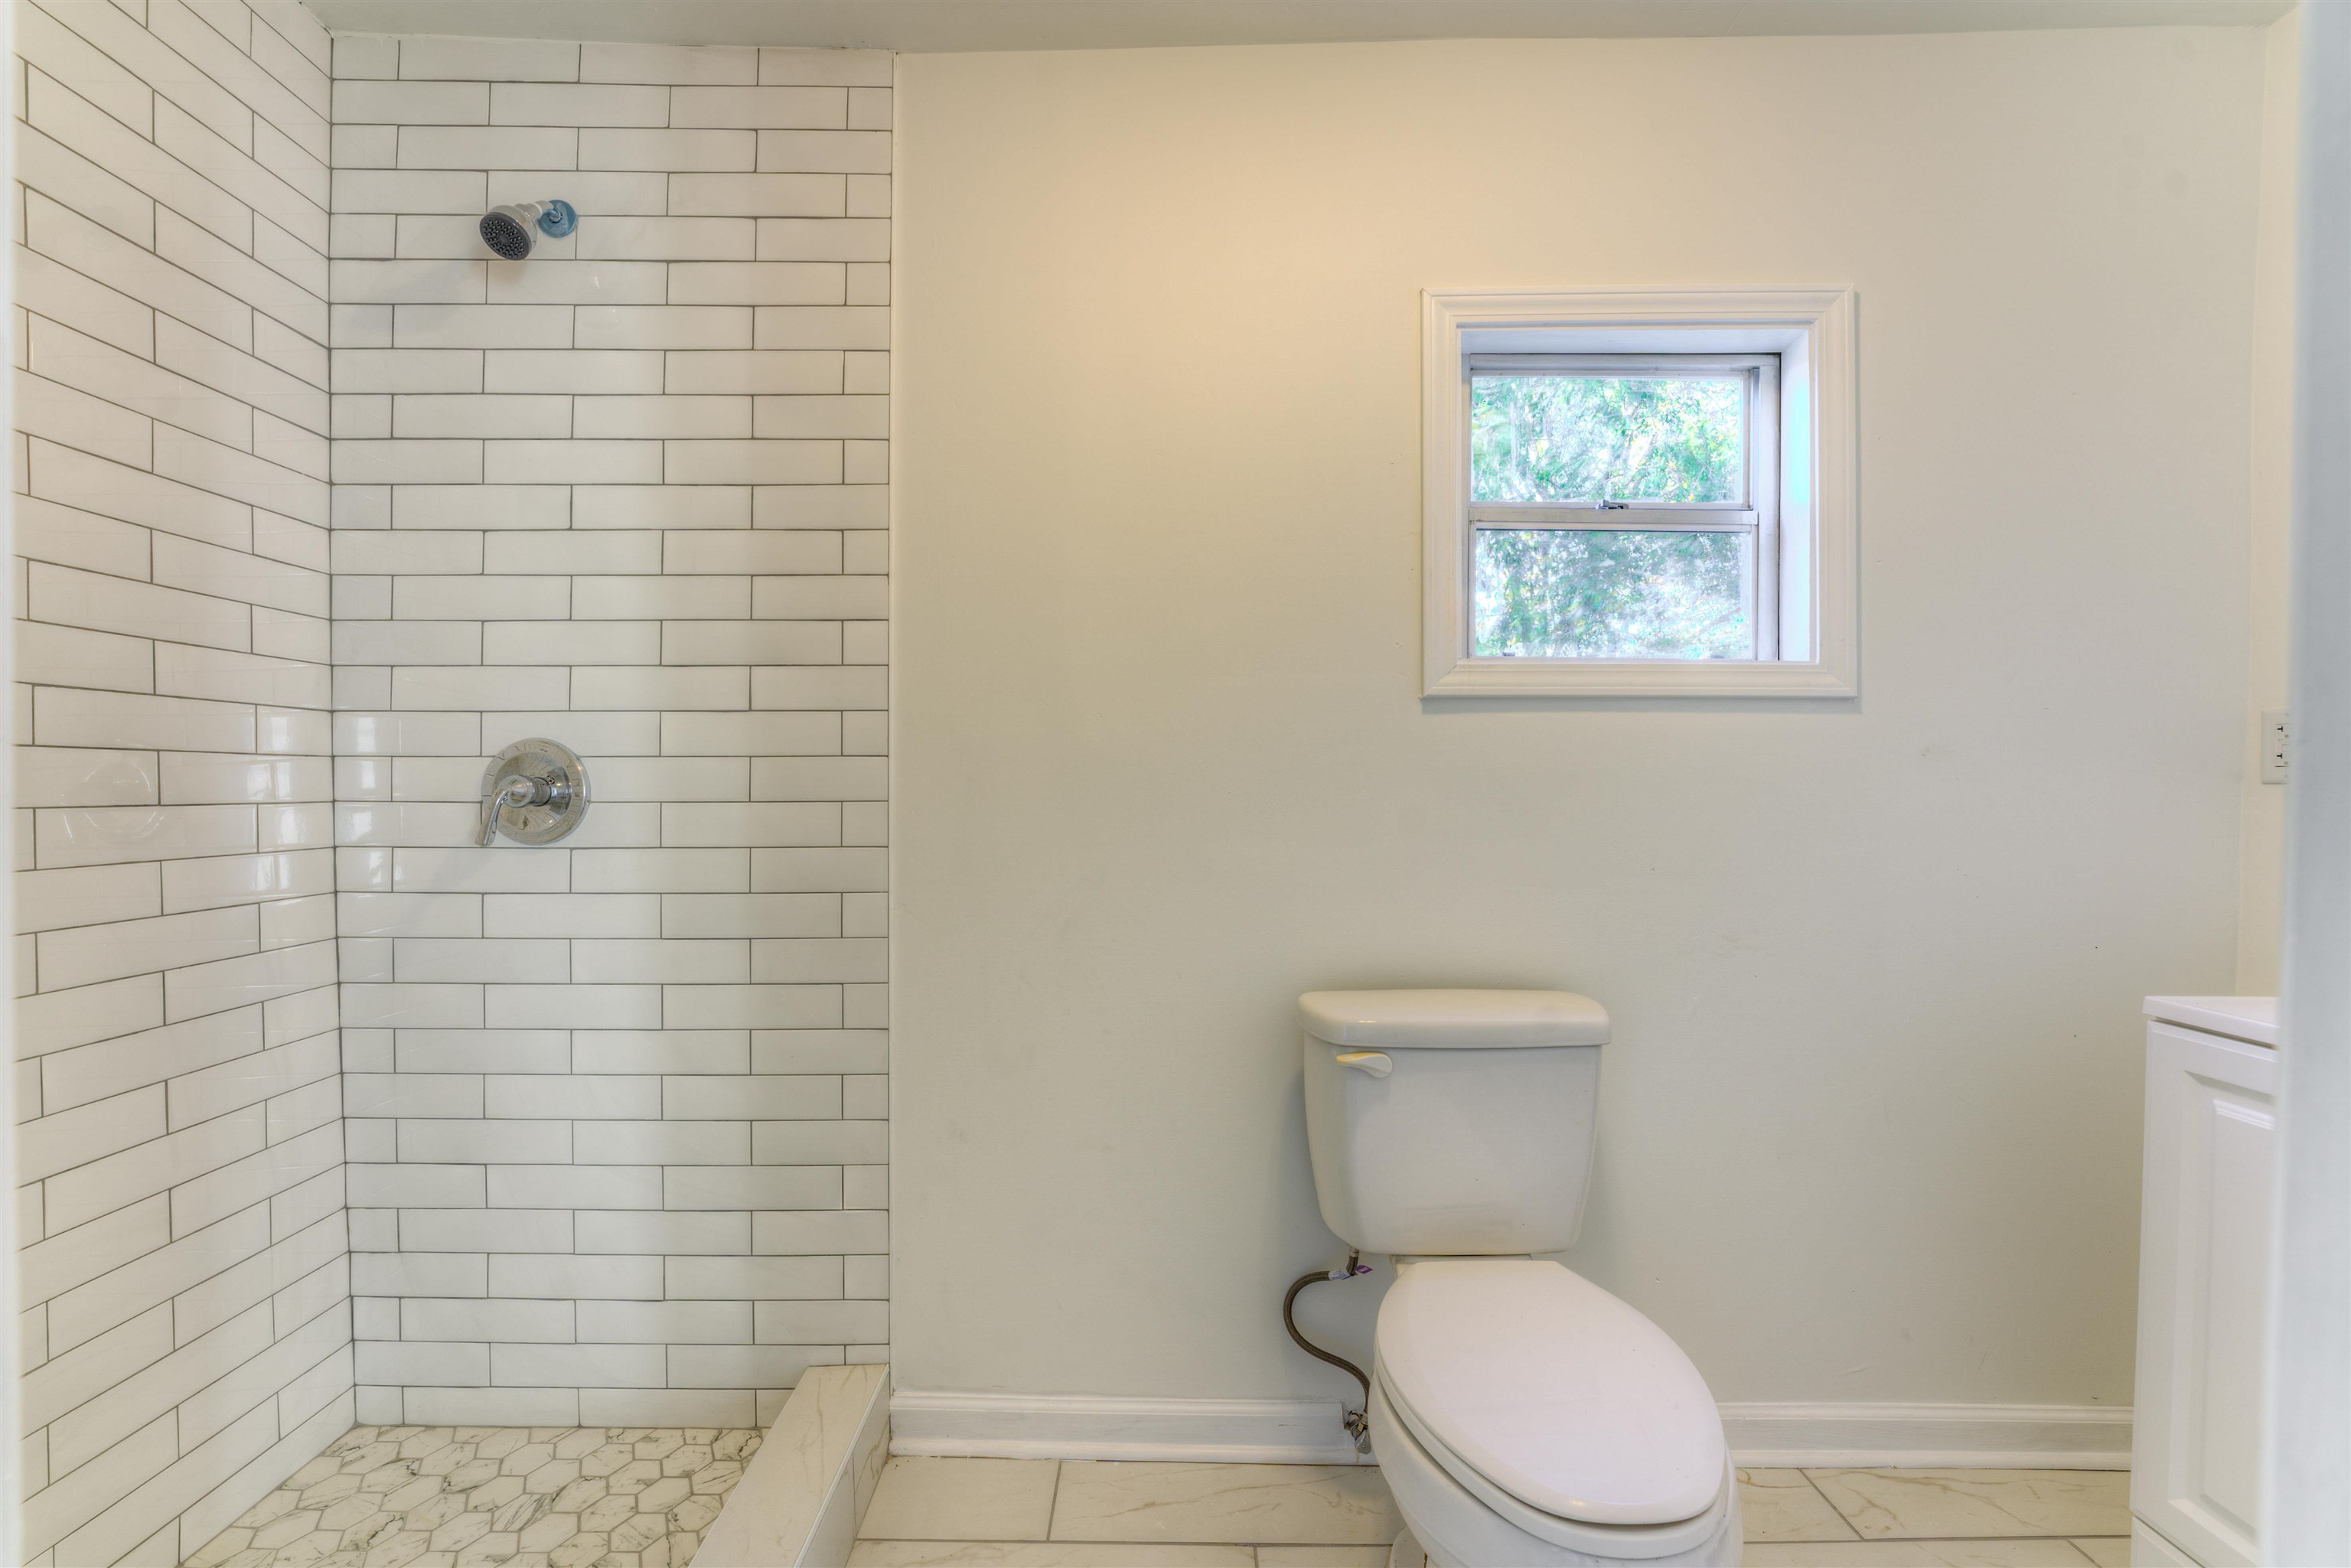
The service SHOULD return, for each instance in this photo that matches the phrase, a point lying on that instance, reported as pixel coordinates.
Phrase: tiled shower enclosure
(333, 1116)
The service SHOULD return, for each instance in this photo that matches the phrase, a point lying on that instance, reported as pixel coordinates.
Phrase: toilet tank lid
(1453, 1020)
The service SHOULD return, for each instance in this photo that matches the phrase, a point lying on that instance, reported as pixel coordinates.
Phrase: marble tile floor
(476, 1497)
(1048, 1513)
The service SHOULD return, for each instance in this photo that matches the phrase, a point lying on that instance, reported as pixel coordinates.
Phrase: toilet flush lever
(1375, 1062)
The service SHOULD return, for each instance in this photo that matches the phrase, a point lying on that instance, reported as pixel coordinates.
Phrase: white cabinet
(2204, 1254)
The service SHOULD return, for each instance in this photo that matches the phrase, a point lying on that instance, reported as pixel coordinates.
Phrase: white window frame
(1754, 512)
(1803, 480)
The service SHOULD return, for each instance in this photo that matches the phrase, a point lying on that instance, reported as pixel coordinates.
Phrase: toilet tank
(1452, 1123)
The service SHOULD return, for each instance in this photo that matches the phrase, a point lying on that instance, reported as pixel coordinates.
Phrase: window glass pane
(1606, 438)
(1589, 593)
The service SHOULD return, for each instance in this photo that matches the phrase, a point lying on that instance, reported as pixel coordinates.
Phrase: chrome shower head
(512, 229)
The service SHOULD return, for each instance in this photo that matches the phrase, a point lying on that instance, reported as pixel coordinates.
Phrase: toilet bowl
(1524, 1416)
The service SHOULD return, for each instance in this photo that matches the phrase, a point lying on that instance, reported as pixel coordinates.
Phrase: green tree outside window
(1600, 594)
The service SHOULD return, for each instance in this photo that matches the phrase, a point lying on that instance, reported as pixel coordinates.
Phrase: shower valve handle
(514, 789)
(542, 782)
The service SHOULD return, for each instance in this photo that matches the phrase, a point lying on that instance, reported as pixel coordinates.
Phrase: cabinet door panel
(2203, 1291)
(2239, 1143)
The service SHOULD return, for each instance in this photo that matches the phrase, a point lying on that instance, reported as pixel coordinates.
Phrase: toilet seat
(1456, 1529)
(1557, 1405)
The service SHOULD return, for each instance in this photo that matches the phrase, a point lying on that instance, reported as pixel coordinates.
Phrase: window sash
(1753, 371)
(1643, 518)
(1614, 366)
(1750, 568)
(1758, 515)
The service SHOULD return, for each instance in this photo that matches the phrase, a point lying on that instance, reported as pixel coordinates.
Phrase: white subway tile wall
(186, 1326)
(616, 1108)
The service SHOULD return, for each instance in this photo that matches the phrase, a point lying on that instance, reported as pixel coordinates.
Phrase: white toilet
(1522, 1415)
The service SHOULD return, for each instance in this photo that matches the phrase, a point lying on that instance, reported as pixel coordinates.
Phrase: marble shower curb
(802, 1497)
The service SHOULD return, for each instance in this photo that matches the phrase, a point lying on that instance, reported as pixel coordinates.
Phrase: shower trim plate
(535, 792)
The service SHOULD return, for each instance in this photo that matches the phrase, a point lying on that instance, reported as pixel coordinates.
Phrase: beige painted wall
(1870, 1127)
(2260, 879)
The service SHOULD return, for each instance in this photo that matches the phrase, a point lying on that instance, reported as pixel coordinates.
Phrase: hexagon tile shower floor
(473, 1497)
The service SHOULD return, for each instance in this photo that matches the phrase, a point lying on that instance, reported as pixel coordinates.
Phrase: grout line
(197, 277)
(1833, 1508)
(186, 169)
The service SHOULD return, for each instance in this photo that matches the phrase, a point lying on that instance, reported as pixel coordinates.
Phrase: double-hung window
(1625, 507)
(1639, 495)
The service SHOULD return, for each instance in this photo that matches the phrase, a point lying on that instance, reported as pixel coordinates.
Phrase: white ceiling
(940, 25)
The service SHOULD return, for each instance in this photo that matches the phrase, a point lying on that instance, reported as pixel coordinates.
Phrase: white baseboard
(1979, 1437)
(1091, 1426)
(1307, 1431)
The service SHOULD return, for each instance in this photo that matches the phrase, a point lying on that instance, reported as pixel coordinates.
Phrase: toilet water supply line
(1357, 1422)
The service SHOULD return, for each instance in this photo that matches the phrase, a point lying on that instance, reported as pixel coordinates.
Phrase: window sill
(1637, 678)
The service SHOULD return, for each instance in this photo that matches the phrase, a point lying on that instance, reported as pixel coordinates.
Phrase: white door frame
(2307, 1507)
